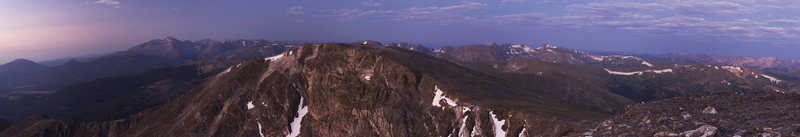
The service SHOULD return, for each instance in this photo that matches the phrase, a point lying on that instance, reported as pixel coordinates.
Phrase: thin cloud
(670, 18)
(510, 1)
(114, 3)
(371, 3)
(440, 15)
(296, 10)
(691, 7)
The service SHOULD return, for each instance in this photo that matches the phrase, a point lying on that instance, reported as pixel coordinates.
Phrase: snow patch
(367, 77)
(439, 50)
(365, 42)
(518, 49)
(773, 79)
(464, 122)
(598, 58)
(225, 71)
(522, 133)
(498, 125)
(647, 63)
(638, 72)
(439, 96)
(260, 128)
(295, 125)
(273, 58)
(463, 125)
(732, 69)
(474, 130)
(626, 57)
(250, 105)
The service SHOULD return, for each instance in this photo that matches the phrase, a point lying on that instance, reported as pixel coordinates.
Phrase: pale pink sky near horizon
(49, 29)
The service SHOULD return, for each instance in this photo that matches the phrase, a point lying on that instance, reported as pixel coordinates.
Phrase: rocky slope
(781, 68)
(649, 83)
(752, 114)
(546, 53)
(344, 90)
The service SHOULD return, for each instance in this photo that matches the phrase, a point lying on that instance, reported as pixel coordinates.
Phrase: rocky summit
(342, 90)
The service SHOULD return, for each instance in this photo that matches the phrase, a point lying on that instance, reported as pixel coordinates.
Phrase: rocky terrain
(400, 89)
(546, 53)
(784, 69)
(343, 90)
(751, 114)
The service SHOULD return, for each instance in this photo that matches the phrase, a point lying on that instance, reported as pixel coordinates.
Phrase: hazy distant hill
(60, 61)
(17, 69)
(156, 53)
(113, 97)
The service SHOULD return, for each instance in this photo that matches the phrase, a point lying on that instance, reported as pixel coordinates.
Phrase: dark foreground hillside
(751, 114)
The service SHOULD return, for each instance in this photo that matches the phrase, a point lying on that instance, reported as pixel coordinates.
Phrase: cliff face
(344, 90)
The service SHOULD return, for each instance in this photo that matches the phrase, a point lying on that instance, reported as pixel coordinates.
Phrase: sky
(48, 29)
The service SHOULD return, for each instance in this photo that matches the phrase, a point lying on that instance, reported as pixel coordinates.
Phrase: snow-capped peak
(546, 46)
(517, 49)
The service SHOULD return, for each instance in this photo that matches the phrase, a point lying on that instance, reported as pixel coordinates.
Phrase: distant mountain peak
(170, 38)
(72, 62)
(21, 61)
(21, 65)
(491, 44)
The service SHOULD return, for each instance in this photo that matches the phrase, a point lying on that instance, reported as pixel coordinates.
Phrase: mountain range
(24, 75)
(366, 88)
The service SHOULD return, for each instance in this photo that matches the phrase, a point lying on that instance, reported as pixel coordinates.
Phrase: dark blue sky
(47, 29)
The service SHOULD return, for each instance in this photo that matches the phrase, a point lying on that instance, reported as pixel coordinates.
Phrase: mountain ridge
(155, 53)
(337, 83)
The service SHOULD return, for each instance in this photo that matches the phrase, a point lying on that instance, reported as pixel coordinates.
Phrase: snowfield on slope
(439, 96)
(273, 58)
(498, 125)
(295, 125)
(638, 72)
